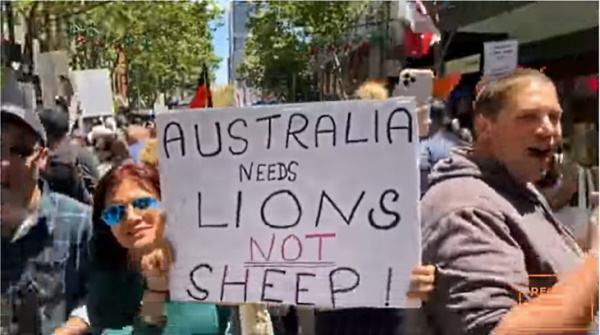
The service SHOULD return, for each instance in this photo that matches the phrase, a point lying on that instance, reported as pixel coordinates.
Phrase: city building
(239, 13)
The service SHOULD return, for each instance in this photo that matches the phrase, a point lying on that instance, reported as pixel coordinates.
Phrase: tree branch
(82, 10)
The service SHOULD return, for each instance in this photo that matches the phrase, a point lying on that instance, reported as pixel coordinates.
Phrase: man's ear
(43, 159)
(482, 125)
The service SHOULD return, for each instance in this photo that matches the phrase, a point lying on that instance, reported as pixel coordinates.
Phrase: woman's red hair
(143, 173)
(108, 253)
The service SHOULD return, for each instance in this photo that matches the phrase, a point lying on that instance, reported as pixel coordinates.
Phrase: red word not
(291, 247)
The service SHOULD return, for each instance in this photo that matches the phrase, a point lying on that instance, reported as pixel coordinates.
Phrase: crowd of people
(84, 251)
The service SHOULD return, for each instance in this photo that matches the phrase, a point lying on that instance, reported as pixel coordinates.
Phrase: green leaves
(165, 42)
(284, 35)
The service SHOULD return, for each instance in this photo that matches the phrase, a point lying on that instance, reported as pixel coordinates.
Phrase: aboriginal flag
(203, 97)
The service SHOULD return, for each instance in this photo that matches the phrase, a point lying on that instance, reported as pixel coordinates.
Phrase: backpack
(86, 178)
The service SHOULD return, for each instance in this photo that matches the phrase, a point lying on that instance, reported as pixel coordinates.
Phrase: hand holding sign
(155, 265)
(422, 282)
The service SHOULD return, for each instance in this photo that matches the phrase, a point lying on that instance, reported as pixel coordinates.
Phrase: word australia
(227, 135)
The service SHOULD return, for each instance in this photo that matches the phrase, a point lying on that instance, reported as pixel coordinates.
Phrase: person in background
(137, 121)
(559, 183)
(70, 170)
(371, 90)
(561, 188)
(492, 234)
(136, 137)
(111, 151)
(438, 145)
(149, 154)
(151, 126)
(122, 125)
(129, 285)
(45, 235)
(461, 112)
(87, 158)
(111, 123)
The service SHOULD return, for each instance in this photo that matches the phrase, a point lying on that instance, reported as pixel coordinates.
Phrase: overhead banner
(304, 204)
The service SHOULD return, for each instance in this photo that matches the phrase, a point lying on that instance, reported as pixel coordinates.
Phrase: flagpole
(206, 84)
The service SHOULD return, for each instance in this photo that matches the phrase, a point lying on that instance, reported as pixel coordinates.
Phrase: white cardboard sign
(50, 66)
(304, 204)
(500, 58)
(94, 92)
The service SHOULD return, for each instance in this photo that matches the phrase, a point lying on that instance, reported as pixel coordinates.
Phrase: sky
(221, 45)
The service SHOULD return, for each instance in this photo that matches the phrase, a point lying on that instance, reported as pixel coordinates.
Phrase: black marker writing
(179, 138)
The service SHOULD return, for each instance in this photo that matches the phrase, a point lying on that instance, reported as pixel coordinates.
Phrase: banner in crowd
(500, 58)
(94, 92)
(50, 67)
(303, 204)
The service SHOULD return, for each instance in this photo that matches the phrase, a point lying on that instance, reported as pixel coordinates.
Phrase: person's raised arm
(567, 308)
(481, 273)
(569, 305)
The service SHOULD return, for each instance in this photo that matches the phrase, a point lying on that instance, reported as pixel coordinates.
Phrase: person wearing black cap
(45, 235)
(70, 170)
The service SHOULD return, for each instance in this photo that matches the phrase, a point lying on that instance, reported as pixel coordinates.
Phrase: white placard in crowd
(94, 92)
(15, 92)
(51, 65)
(303, 204)
(500, 58)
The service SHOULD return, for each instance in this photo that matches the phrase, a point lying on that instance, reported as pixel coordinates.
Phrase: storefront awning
(540, 20)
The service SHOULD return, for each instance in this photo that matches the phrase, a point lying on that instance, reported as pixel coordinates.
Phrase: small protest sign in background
(94, 92)
(500, 58)
(305, 204)
(50, 66)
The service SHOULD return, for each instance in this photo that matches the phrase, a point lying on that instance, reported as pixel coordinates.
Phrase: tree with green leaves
(277, 57)
(44, 21)
(166, 43)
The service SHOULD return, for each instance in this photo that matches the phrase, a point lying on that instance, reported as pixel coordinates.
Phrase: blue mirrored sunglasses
(114, 214)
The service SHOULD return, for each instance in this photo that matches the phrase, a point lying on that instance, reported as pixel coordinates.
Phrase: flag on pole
(203, 97)
(421, 32)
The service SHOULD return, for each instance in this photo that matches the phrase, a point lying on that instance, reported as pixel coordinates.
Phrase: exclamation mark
(388, 287)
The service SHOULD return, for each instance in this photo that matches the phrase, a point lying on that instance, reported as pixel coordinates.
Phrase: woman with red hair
(129, 285)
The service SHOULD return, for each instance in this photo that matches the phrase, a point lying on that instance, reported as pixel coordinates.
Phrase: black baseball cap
(26, 117)
(14, 105)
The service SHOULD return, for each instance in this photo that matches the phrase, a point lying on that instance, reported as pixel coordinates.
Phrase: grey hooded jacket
(492, 238)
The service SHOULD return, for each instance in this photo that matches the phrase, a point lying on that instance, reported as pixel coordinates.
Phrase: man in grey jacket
(505, 264)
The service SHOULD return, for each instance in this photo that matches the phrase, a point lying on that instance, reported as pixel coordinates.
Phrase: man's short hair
(493, 96)
(56, 123)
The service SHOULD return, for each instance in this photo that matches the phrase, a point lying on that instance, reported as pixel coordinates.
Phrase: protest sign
(94, 92)
(51, 65)
(304, 204)
(500, 58)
